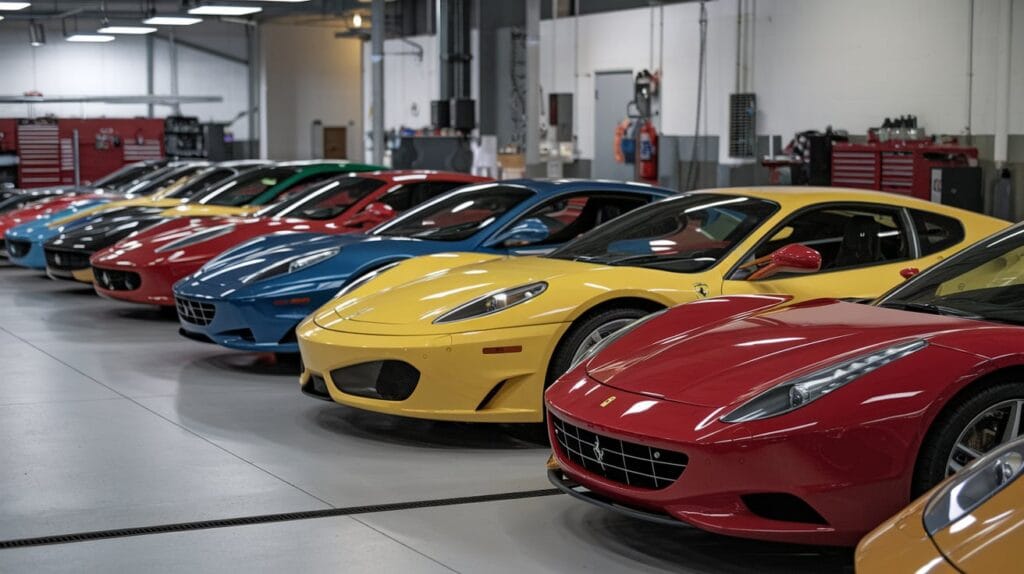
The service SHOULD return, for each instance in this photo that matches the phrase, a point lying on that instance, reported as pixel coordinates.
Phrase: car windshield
(242, 189)
(683, 234)
(160, 180)
(327, 201)
(985, 281)
(200, 182)
(126, 174)
(458, 215)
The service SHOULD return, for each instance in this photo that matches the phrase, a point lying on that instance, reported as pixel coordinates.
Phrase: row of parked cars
(768, 363)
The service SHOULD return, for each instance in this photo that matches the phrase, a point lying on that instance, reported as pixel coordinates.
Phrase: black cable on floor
(267, 518)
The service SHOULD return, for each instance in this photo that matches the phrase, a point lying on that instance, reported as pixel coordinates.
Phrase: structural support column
(149, 72)
(253, 52)
(172, 47)
(1004, 37)
(532, 83)
(377, 74)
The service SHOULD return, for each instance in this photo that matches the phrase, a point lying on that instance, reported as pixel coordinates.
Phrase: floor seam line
(397, 541)
(153, 412)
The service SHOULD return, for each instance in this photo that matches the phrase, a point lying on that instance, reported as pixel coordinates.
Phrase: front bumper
(148, 285)
(768, 480)
(25, 253)
(67, 264)
(264, 325)
(458, 379)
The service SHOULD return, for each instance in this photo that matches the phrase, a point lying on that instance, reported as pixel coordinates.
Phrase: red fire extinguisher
(648, 152)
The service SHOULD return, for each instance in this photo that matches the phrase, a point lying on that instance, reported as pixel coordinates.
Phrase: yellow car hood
(423, 300)
(198, 210)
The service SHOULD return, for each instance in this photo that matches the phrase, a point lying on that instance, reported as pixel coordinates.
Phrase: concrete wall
(119, 68)
(307, 74)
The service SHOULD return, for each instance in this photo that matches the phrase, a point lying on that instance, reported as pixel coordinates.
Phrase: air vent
(742, 125)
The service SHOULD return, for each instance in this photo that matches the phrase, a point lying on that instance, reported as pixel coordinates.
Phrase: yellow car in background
(972, 522)
(478, 337)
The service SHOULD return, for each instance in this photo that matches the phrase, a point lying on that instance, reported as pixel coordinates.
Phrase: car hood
(43, 226)
(106, 229)
(158, 243)
(430, 296)
(729, 359)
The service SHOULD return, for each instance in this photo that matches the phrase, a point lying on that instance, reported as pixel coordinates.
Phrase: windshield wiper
(931, 309)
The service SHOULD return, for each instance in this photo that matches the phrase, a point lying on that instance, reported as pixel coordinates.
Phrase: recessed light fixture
(221, 10)
(171, 20)
(11, 6)
(357, 20)
(91, 38)
(136, 30)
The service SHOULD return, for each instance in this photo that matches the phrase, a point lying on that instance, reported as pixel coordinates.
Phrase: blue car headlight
(291, 265)
(808, 388)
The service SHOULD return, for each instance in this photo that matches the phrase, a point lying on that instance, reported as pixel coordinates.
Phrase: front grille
(117, 280)
(195, 312)
(66, 260)
(617, 460)
(18, 248)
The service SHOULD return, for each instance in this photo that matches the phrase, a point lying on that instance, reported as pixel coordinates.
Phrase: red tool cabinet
(896, 166)
(45, 147)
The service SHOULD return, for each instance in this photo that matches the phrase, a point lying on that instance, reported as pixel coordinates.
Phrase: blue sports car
(251, 297)
(24, 243)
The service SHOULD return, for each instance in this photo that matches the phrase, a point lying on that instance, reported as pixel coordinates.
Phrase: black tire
(562, 359)
(930, 468)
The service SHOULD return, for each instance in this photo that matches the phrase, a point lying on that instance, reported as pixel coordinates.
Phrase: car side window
(412, 194)
(936, 232)
(847, 237)
(569, 216)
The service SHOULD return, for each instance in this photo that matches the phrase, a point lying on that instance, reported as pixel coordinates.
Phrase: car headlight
(363, 280)
(803, 390)
(204, 235)
(291, 265)
(974, 485)
(613, 337)
(493, 303)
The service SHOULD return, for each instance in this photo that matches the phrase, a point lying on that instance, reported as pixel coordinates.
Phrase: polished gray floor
(110, 420)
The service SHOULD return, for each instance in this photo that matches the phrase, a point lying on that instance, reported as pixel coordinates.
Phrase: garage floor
(110, 420)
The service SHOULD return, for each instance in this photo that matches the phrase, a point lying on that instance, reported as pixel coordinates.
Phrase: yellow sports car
(478, 337)
(972, 522)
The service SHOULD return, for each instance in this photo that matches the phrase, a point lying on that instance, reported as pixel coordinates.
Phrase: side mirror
(909, 272)
(526, 232)
(792, 258)
(373, 214)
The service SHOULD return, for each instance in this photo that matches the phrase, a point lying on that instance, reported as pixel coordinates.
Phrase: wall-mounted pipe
(1004, 38)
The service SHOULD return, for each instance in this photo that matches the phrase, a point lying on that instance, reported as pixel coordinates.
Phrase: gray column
(377, 72)
(532, 82)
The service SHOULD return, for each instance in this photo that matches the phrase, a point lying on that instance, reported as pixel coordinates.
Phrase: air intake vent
(742, 125)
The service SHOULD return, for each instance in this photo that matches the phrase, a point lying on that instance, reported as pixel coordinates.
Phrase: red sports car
(143, 269)
(809, 423)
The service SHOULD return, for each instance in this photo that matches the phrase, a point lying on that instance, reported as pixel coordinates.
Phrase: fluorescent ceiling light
(1, 17)
(11, 6)
(126, 30)
(219, 10)
(95, 38)
(171, 21)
